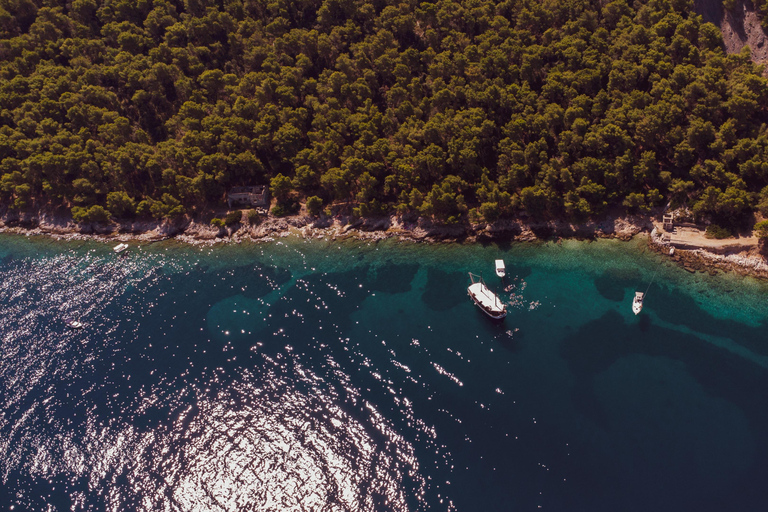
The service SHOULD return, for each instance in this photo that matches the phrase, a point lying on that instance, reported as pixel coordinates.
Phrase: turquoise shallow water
(315, 375)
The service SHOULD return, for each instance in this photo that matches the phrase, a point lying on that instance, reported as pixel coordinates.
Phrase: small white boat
(637, 303)
(120, 248)
(500, 270)
(485, 299)
(73, 324)
(671, 251)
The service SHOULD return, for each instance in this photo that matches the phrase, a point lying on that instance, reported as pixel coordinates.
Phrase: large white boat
(485, 299)
(501, 271)
(637, 303)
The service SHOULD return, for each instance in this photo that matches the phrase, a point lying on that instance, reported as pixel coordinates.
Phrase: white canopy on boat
(637, 303)
(500, 270)
(486, 298)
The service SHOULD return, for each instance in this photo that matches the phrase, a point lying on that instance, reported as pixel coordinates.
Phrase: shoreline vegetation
(521, 119)
(728, 255)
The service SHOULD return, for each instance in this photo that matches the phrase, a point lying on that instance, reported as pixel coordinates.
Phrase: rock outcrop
(740, 26)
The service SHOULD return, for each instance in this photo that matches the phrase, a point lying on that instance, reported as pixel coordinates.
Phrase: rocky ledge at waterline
(751, 262)
(193, 231)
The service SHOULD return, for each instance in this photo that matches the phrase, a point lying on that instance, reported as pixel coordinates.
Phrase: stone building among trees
(254, 196)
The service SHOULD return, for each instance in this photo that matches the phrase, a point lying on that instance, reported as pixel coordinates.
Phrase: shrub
(120, 204)
(95, 213)
(761, 229)
(280, 187)
(287, 208)
(219, 223)
(233, 217)
(635, 202)
(279, 210)
(143, 209)
(314, 205)
(717, 232)
(490, 211)
(168, 208)
(253, 217)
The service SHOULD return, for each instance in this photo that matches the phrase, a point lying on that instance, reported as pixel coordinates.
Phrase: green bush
(219, 223)
(168, 208)
(95, 213)
(490, 211)
(233, 217)
(761, 229)
(285, 208)
(717, 232)
(120, 204)
(253, 217)
(635, 202)
(280, 187)
(314, 205)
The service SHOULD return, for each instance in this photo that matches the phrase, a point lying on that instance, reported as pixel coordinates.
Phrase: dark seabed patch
(682, 309)
(672, 413)
(613, 283)
(445, 290)
(392, 277)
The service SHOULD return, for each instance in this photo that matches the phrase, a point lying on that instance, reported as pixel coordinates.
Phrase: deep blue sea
(313, 375)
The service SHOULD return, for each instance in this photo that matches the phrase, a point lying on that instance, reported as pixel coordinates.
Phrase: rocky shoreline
(194, 232)
(340, 226)
(750, 263)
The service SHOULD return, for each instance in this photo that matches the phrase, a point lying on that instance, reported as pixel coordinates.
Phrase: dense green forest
(454, 109)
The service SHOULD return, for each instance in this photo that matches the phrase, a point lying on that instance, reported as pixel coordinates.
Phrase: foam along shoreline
(743, 259)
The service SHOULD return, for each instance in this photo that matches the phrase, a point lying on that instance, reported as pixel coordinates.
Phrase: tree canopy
(552, 108)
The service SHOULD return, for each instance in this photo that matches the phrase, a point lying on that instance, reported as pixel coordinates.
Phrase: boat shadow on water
(644, 323)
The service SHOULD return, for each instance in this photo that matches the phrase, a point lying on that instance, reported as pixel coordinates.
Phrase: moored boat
(637, 303)
(485, 299)
(73, 323)
(120, 248)
(501, 271)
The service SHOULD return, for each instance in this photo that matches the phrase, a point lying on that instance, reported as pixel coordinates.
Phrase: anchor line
(650, 283)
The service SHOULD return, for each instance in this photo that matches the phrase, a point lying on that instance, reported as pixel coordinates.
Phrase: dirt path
(692, 238)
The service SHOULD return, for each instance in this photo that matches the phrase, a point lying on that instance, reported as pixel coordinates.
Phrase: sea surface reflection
(310, 375)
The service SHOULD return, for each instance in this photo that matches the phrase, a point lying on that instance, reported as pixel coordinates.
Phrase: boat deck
(486, 298)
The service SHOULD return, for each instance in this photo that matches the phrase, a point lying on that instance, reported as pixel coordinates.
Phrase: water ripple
(271, 436)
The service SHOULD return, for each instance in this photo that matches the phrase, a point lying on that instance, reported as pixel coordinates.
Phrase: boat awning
(486, 297)
(499, 264)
